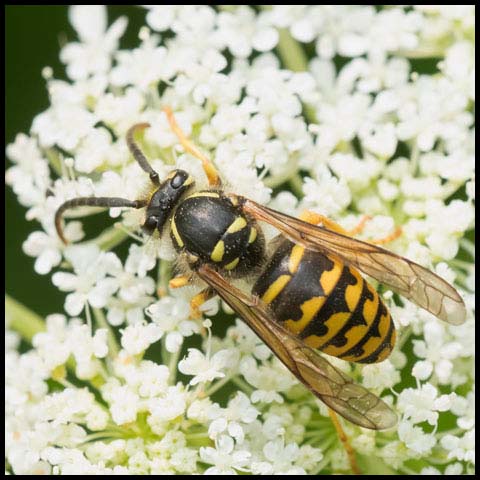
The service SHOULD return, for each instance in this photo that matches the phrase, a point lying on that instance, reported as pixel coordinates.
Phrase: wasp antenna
(138, 154)
(91, 202)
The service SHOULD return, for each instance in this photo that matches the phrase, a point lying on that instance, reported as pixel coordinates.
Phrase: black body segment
(326, 304)
(207, 225)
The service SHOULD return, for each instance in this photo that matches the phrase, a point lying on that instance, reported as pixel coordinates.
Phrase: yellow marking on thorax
(329, 278)
(354, 292)
(188, 181)
(309, 309)
(295, 258)
(177, 236)
(334, 324)
(370, 307)
(232, 264)
(218, 251)
(275, 288)
(372, 344)
(253, 235)
(237, 225)
(204, 194)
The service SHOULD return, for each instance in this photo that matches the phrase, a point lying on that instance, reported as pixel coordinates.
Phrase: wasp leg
(316, 219)
(190, 147)
(389, 238)
(180, 281)
(198, 300)
(138, 154)
(346, 444)
(360, 226)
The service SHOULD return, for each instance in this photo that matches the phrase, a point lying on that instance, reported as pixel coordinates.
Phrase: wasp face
(165, 199)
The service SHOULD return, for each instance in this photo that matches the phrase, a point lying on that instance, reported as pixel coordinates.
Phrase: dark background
(33, 35)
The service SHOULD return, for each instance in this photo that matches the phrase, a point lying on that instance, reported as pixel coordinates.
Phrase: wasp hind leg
(180, 281)
(346, 444)
(318, 219)
(198, 300)
(208, 167)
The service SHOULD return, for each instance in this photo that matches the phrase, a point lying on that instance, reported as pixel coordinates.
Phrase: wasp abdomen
(209, 226)
(327, 304)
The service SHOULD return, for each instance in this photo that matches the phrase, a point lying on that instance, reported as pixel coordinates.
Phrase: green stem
(164, 276)
(172, 366)
(243, 385)
(414, 157)
(452, 431)
(110, 238)
(102, 323)
(22, 319)
(217, 385)
(462, 264)
(89, 318)
(373, 465)
(296, 183)
(291, 52)
(294, 58)
(425, 53)
(54, 161)
(105, 434)
(192, 436)
(166, 355)
(405, 335)
(468, 246)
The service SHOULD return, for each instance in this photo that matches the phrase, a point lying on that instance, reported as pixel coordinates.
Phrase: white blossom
(171, 315)
(322, 107)
(224, 457)
(205, 369)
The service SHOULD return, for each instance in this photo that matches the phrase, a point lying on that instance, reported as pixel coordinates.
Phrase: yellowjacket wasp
(307, 296)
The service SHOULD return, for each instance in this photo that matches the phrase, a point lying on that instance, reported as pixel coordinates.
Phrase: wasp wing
(333, 387)
(407, 278)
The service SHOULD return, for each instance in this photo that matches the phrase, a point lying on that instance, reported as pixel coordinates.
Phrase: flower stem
(172, 366)
(102, 323)
(217, 385)
(291, 52)
(54, 160)
(468, 246)
(296, 183)
(243, 385)
(164, 276)
(110, 238)
(294, 58)
(88, 317)
(22, 319)
(404, 336)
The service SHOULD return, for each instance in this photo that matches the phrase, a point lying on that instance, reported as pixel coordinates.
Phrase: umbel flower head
(124, 381)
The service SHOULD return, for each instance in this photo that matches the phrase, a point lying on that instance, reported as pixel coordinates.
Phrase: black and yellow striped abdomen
(327, 304)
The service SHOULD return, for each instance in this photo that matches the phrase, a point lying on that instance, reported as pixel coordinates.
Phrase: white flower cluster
(356, 128)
